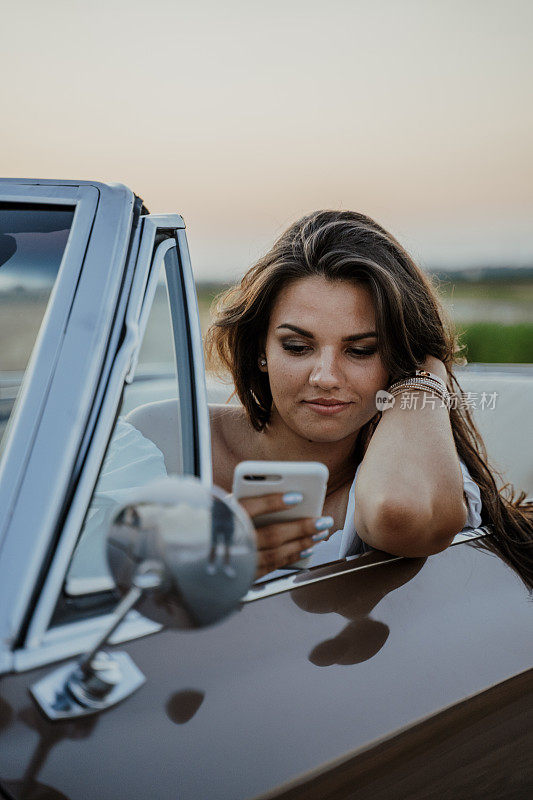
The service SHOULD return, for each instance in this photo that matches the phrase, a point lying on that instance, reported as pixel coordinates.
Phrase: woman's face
(322, 359)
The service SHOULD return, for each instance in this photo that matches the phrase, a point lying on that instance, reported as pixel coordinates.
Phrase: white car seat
(506, 428)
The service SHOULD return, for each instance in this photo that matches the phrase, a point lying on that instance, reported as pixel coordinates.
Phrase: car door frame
(62, 376)
(157, 235)
(36, 643)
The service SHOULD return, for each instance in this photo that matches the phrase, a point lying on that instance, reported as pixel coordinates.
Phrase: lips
(327, 405)
(323, 401)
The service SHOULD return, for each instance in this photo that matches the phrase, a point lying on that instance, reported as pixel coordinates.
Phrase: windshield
(32, 243)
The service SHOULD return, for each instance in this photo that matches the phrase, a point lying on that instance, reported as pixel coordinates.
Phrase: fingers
(283, 543)
(269, 503)
(273, 558)
(281, 533)
(286, 542)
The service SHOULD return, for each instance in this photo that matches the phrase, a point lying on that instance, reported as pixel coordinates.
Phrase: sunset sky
(242, 116)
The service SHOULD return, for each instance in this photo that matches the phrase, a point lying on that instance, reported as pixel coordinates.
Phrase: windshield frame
(57, 397)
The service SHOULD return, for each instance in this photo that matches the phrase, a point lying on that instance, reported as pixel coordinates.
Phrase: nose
(325, 373)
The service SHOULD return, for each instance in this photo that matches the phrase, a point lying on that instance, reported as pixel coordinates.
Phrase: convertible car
(138, 658)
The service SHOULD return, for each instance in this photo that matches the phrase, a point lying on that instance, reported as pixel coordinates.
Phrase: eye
(297, 348)
(361, 351)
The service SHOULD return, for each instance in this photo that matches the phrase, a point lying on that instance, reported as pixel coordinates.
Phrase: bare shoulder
(227, 419)
(230, 441)
(230, 428)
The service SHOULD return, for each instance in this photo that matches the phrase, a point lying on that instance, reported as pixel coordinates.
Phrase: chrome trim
(170, 222)
(475, 533)
(182, 353)
(62, 695)
(69, 640)
(325, 572)
(202, 410)
(111, 350)
(306, 577)
(75, 587)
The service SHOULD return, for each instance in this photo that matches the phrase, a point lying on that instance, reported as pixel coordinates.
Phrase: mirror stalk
(186, 554)
(99, 679)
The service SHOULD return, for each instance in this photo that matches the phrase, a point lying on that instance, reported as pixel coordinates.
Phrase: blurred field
(507, 303)
(517, 291)
(495, 319)
(497, 343)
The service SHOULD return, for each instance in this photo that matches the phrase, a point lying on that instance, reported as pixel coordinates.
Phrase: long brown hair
(410, 322)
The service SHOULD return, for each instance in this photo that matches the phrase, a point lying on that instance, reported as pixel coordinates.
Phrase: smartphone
(255, 478)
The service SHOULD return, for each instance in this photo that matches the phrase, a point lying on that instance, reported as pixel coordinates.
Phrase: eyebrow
(354, 338)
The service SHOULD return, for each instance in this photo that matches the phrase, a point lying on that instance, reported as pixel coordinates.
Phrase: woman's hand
(434, 365)
(283, 543)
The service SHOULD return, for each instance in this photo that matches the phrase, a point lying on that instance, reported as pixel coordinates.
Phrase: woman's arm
(409, 490)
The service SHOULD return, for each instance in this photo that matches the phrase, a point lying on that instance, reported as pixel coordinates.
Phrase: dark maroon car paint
(312, 688)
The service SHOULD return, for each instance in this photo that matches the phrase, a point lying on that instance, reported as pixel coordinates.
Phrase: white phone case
(308, 477)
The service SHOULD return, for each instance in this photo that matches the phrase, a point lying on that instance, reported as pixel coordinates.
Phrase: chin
(325, 433)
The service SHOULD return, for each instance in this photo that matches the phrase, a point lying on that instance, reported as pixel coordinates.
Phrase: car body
(372, 677)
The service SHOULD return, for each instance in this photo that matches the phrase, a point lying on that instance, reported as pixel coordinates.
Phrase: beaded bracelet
(422, 375)
(445, 397)
(424, 381)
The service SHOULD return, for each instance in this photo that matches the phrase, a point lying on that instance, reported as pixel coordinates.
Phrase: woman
(334, 313)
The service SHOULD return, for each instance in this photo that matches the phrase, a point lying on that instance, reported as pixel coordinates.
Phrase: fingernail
(319, 536)
(292, 498)
(323, 522)
(306, 553)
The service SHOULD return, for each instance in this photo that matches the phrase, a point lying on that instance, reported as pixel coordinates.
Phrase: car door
(314, 671)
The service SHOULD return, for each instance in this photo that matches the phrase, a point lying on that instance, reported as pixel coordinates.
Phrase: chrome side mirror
(184, 555)
(199, 541)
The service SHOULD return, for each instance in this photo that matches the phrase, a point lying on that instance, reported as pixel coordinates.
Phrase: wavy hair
(410, 322)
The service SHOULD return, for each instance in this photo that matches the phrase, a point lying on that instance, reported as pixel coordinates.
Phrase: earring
(262, 361)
